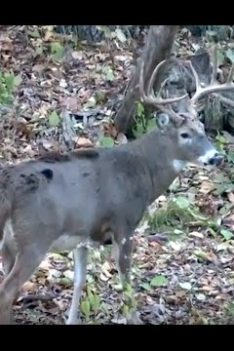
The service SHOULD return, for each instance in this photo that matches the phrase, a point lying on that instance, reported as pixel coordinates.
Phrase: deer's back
(89, 195)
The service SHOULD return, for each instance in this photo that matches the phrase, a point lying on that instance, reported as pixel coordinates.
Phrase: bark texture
(158, 46)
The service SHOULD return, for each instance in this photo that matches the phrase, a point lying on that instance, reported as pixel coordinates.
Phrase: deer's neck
(157, 152)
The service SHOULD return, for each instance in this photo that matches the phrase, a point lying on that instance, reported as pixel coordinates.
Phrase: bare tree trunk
(158, 47)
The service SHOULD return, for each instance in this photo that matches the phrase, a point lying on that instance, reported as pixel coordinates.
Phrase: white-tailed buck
(66, 201)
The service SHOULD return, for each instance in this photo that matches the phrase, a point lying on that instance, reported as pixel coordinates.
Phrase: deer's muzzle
(216, 160)
(211, 157)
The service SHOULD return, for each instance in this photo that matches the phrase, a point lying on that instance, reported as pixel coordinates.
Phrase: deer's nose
(216, 160)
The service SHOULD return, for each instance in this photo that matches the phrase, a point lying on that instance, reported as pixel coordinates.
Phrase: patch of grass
(229, 310)
(177, 213)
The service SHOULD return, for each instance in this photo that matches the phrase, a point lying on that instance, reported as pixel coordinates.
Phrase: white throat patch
(178, 165)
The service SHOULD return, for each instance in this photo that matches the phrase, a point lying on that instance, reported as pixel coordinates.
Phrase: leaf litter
(183, 270)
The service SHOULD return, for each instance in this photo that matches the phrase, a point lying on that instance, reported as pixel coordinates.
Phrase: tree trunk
(158, 47)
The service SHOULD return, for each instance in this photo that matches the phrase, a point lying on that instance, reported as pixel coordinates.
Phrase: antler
(150, 98)
(214, 87)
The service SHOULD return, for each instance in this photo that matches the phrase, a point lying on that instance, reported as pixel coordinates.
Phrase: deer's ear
(162, 120)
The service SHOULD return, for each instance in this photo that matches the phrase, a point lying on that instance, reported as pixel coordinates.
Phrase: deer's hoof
(134, 319)
(73, 321)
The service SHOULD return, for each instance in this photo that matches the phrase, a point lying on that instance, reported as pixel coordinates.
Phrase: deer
(74, 200)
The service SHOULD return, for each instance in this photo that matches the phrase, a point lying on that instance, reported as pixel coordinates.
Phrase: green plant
(91, 303)
(177, 213)
(8, 83)
(57, 51)
(106, 141)
(54, 119)
(143, 124)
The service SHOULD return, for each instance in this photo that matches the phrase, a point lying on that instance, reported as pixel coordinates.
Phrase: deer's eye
(185, 135)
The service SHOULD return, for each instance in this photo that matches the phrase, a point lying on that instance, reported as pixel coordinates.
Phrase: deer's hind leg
(32, 242)
(123, 257)
(9, 249)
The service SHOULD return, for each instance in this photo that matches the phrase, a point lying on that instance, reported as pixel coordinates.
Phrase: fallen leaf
(91, 102)
(197, 235)
(229, 222)
(63, 83)
(231, 197)
(54, 119)
(146, 286)
(103, 277)
(176, 246)
(70, 102)
(48, 35)
(122, 139)
(159, 280)
(208, 256)
(109, 74)
(83, 142)
(223, 246)
(53, 273)
(69, 274)
(38, 68)
(29, 287)
(106, 267)
(45, 264)
(77, 55)
(200, 297)
(227, 234)
(65, 281)
(185, 286)
(206, 187)
(120, 35)
(106, 141)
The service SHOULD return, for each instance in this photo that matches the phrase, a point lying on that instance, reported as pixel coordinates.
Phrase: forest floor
(183, 262)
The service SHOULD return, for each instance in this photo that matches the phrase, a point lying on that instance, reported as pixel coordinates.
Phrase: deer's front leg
(123, 256)
(80, 263)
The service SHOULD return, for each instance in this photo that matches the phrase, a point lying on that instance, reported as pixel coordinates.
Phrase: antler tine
(141, 82)
(230, 76)
(197, 80)
(150, 89)
(150, 97)
(212, 88)
(215, 66)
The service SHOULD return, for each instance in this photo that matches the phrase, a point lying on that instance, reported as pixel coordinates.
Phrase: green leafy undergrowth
(143, 124)
(177, 213)
(180, 215)
(91, 303)
(8, 83)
